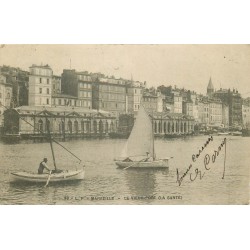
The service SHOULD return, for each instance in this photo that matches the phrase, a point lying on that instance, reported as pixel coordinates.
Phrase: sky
(188, 66)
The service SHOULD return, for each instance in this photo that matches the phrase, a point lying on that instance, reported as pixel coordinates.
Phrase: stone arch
(88, 127)
(70, 126)
(106, 127)
(100, 127)
(112, 126)
(40, 125)
(76, 126)
(159, 127)
(95, 126)
(82, 126)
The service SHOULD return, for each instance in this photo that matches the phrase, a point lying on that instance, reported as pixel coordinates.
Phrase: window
(89, 94)
(40, 90)
(48, 91)
(47, 100)
(48, 81)
(60, 102)
(40, 80)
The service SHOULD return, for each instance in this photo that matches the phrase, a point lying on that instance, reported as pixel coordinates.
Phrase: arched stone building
(27, 120)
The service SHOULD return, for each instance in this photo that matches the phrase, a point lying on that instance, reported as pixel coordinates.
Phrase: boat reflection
(142, 183)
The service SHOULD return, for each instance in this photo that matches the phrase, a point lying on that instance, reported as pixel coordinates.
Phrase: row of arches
(170, 127)
(83, 126)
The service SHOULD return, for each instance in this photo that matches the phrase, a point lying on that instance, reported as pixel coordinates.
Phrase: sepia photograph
(124, 124)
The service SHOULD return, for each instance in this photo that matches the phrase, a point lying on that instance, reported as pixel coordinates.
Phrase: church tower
(210, 88)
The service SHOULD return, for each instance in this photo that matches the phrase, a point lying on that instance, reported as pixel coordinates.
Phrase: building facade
(234, 101)
(246, 114)
(150, 101)
(40, 85)
(203, 112)
(109, 97)
(79, 85)
(56, 85)
(67, 122)
(5, 97)
(215, 112)
(173, 124)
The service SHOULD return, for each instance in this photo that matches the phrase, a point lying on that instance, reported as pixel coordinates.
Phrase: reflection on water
(103, 180)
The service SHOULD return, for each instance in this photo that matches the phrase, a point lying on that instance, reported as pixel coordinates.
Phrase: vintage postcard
(124, 124)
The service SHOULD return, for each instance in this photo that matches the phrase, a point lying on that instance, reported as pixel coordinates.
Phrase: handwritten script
(208, 160)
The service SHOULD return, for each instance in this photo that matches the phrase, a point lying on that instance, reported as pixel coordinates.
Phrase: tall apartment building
(215, 112)
(234, 101)
(133, 98)
(40, 85)
(56, 85)
(77, 84)
(150, 101)
(203, 111)
(5, 96)
(109, 97)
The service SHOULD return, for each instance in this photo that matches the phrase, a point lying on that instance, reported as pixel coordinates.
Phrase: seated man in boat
(43, 165)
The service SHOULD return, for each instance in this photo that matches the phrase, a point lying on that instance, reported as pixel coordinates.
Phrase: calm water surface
(104, 181)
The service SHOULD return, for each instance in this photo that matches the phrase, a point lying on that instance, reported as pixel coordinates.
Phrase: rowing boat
(64, 176)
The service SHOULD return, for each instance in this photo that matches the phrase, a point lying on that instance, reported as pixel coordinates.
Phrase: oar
(48, 179)
(134, 164)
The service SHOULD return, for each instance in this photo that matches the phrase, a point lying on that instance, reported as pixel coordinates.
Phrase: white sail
(140, 140)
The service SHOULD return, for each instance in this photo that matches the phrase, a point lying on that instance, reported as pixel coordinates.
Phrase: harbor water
(224, 179)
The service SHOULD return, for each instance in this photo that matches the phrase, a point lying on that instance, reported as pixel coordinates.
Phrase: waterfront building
(177, 103)
(246, 113)
(133, 97)
(215, 112)
(203, 112)
(56, 85)
(150, 101)
(160, 98)
(234, 101)
(40, 85)
(173, 123)
(168, 104)
(162, 124)
(64, 122)
(225, 115)
(62, 100)
(5, 97)
(78, 84)
(109, 97)
(19, 80)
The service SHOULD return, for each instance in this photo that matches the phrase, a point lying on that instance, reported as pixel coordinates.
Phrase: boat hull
(157, 164)
(65, 176)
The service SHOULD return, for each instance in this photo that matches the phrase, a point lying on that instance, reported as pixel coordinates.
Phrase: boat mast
(50, 141)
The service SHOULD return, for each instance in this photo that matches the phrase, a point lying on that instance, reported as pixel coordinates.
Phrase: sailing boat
(139, 151)
(54, 175)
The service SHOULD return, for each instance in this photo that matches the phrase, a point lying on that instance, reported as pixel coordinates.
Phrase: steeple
(210, 87)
